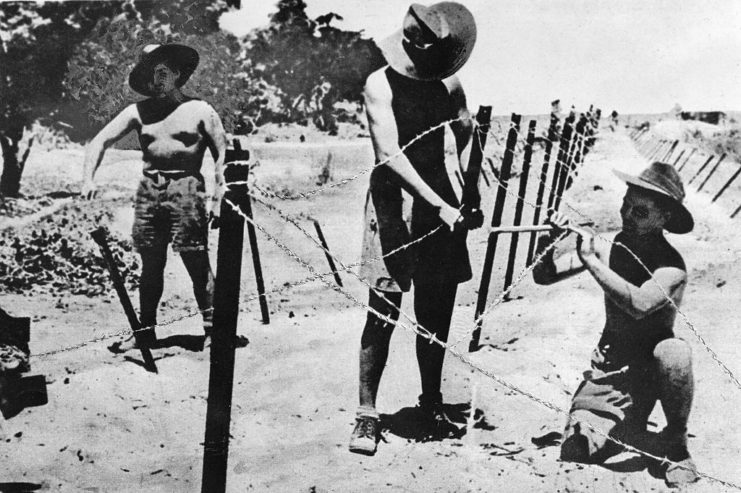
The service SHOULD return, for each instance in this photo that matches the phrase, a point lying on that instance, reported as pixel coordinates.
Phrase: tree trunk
(13, 164)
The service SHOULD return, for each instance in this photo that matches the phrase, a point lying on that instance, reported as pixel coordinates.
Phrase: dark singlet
(636, 339)
(418, 106)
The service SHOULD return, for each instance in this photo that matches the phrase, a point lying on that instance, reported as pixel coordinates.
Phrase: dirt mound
(56, 255)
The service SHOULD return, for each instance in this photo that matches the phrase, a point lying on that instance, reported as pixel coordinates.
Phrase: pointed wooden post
(699, 171)
(728, 184)
(143, 338)
(541, 189)
(712, 171)
(527, 158)
(223, 338)
(496, 220)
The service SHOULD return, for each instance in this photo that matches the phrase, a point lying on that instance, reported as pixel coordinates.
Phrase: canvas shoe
(681, 470)
(364, 437)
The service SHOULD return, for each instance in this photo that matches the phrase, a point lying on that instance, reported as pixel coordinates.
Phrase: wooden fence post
(496, 220)
(728, 184)
(699, 171)
(712, 171)
(238, 154)
(692, 152)
(563, 158)
(541, 189)
(223, 338)
(527, 158)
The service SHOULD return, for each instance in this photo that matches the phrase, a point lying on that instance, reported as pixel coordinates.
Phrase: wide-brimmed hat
(662, 178)
(184, 58)
(433, 43)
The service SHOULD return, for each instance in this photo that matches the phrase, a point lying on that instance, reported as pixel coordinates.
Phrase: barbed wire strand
(426, 334)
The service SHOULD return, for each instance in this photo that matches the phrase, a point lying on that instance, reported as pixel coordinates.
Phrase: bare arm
(384, 135)
(122, 124)
(216, 138)
(463, 128)
(637, 301)
(550, 270)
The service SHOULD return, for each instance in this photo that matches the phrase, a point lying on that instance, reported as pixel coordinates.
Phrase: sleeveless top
(634, 340)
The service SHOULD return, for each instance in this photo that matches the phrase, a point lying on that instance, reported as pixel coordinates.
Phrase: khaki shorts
(611, 403)
(390, 224)
(170, 210)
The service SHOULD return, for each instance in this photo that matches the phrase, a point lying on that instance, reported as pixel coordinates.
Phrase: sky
(634, 56)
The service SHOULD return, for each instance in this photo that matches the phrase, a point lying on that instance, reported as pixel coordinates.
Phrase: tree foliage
(312, 63)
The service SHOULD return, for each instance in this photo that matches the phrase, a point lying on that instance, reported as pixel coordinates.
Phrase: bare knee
(672, 354)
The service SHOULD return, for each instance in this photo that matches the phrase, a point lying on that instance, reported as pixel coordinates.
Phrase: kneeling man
(638, 359)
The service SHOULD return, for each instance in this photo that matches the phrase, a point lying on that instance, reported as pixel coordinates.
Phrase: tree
(97, 77)
(36, 41)
(314, 64)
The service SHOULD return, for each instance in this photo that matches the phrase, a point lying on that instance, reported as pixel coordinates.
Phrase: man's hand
(585, 246)
(560, 224)
(449, 216)
(215, 212)
(89, 190)
(470, 219)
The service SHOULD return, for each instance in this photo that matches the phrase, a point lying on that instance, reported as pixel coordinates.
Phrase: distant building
(712, 117)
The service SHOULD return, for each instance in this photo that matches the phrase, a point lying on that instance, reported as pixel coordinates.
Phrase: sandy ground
(111, 426)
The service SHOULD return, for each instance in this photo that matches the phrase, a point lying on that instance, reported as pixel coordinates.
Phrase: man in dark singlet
(174, 132)
(638, 359)
(414, 93)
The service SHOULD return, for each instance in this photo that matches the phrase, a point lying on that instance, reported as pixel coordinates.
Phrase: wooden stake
(692, 152)
(529, 140)
(330, 260)
(223, 338)
(699, 171)
(237, 154)
(728, 184)
(712, 171)
(496, 220)
(100, 236)
(541, 188)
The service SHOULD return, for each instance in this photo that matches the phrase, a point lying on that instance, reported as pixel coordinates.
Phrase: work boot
(681, 469)
(364, 437)
(437, 424)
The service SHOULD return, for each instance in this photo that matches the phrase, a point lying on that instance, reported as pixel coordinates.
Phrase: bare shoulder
(199, 107)
(453, 83)
(130, 113)
(377, 87)
(455, 90)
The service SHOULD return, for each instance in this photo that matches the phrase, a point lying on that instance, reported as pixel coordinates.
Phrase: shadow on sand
(19, 487)
(411, 424)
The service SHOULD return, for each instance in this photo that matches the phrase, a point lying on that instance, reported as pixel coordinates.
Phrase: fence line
(426, 334)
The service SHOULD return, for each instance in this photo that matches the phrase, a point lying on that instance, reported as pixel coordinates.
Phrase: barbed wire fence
(570, 156)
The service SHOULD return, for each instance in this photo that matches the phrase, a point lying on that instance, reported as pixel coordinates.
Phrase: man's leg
(676, 390)
(151, 284)
(374, 349)
(198, 266)
(433, 307)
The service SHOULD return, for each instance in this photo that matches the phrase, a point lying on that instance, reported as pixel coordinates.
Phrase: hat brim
(398, 59)
(681, 220)
(186, 58)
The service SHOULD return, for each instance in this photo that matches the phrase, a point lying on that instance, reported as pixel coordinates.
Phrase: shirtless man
(174, 132)
(638, 359)
(415, 92)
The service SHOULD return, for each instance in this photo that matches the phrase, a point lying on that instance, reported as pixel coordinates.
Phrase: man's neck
(174, 97)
